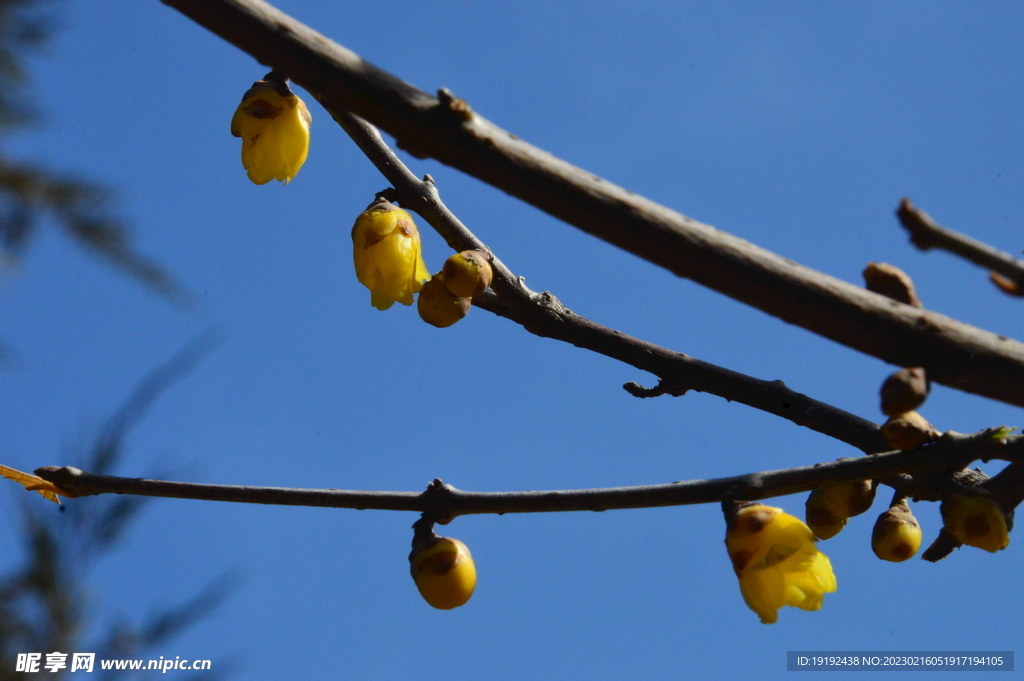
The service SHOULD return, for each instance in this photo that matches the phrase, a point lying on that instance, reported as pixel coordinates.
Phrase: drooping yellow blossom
(274, 126)
(444, 572)
(976, 521)
(386, 248)
(777, 562)
(896, 536)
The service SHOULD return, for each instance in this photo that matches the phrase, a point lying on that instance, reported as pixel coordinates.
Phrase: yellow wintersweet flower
(386, 248)
(274, 126)
(444, 572)
(777, 562)
(976, 521)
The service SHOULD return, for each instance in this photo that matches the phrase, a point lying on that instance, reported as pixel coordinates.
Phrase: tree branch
(445, 128)
(926, 234)
(444, 502)
(542, 314)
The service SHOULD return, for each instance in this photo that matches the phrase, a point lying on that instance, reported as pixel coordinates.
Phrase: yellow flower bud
(386, 249)
(976, 521)
(438, 306)
(777, 562)
(467, 274)
(907, 431)
(896, 536)
(443, 571)
(274, 126)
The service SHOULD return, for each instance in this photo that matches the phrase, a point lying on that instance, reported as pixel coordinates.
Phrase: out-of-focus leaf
(79, 207)
(41, 601)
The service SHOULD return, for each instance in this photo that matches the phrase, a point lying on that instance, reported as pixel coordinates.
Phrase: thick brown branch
(925, 233)
(543, 315)
(445, 128)
(444, 502)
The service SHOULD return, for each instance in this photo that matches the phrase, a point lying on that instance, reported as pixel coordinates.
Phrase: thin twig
(444, 502)
(925, 233)
(542, 314)
(445, 128)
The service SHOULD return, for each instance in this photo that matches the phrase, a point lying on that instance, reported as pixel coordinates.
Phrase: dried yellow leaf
(34, 483)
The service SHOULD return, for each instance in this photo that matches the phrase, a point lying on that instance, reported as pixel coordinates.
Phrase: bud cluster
(829, 507)
(447, 297)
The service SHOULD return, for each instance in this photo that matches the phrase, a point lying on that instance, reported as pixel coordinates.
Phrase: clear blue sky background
(797, 126)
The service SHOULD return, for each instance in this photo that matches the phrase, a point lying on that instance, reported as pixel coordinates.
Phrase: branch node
(637, 390)
(438, 497)
(545, 316)
(64, 477)
(455, 105)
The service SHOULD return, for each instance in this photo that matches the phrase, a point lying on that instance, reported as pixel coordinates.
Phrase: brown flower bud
(438, 307)
(822, 520)
(853, 496)
(904, 391)
(467, 274)
(891, 282)
(908, 431)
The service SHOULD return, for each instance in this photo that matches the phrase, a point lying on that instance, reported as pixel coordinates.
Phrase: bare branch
(925, 233)
(542, 314)
(444, 502)
(445, 128)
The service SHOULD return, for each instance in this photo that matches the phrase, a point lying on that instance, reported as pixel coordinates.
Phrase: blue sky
(795, 126)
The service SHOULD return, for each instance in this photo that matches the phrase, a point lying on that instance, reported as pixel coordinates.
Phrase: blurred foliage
(44, 604)
(44, 601)
(28, 193)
